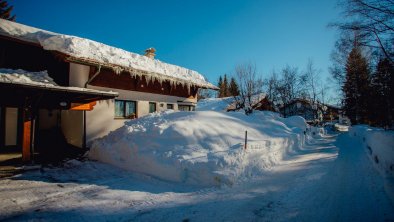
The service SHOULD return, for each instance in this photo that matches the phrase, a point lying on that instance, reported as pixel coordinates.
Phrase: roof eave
(90, 62)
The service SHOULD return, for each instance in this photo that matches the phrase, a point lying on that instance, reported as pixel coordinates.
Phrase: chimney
(150, 53)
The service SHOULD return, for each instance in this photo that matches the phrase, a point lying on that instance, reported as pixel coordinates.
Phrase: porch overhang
(48, 96)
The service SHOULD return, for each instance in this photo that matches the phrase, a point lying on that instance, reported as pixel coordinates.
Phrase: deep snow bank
(379, 146)
(204, 148)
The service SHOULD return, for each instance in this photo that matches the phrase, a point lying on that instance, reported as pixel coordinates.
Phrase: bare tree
(372, 21)
(271, 86)
(250, 84)
(288, 86)
(309, 80)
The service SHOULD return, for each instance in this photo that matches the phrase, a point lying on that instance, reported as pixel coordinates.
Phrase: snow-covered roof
(42, 80)
(88, 50)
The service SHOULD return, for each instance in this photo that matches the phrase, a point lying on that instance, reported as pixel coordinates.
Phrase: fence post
(246, 139)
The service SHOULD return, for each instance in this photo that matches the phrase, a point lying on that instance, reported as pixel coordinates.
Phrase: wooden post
(26, 142)
(246, 139)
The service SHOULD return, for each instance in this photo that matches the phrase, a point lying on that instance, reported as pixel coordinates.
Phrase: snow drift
(379, 146)
(202, 148)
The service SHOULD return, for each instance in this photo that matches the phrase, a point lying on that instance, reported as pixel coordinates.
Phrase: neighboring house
(141, 84)
(312, 113)
(331, 113)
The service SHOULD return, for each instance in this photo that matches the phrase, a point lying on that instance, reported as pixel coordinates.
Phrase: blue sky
(208, 36)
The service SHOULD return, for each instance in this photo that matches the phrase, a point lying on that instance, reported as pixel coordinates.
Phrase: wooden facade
(109, 79)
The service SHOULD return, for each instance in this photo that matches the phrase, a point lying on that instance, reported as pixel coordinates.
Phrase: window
(125, 109)
(152, 107)
(186, 108)
(170, 106)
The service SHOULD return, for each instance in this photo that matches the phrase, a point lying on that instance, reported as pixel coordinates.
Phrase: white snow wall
(379, 146)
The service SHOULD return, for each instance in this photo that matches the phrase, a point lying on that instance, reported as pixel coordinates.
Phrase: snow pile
(202, 148)
(214, 104)
(379, 146)
(317, 131)
(25, 77)
(87, 49)
(341, 127)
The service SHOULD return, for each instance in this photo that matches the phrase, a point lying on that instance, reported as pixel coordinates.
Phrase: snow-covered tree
(233, 88)
(220, 85)
(225, 86)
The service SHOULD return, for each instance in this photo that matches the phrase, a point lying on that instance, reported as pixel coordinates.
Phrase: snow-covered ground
(192, 166)
(329, 179)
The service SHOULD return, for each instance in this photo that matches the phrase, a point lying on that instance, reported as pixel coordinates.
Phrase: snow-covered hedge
(202, 148)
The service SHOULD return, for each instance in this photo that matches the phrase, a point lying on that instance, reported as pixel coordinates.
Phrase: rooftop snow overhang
(151, 76)
(69, 46)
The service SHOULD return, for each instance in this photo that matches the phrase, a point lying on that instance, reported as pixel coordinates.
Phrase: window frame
(125, 109)
(153, 103)
(190, 108)
(170, 104)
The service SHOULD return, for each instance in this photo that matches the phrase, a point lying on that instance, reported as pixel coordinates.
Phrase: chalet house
(95, 89)
(313, 113)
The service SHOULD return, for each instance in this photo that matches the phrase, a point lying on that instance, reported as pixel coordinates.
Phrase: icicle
(188, 88)
(117, 70)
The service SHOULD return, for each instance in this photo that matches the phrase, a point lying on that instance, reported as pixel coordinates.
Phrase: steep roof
(91, 52)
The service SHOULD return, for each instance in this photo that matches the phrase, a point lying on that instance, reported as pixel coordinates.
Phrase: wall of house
(48, 118)
(11, 126)
(72, 120)
(72, 126)
(79, 75)
(101, 120)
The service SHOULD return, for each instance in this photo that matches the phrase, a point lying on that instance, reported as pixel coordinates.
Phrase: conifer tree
(382, 83)
(220, 85)
(5, 11)
(356, 87)
(225, 86)
(233, 88)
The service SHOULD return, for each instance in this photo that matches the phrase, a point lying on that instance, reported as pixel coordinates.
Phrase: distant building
(312, 113)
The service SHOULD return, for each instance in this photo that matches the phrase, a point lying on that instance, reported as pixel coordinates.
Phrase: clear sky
(208, 36)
